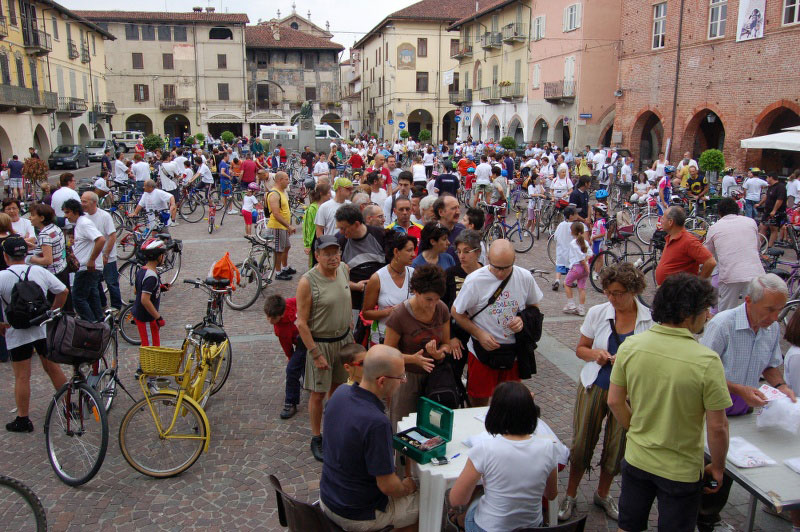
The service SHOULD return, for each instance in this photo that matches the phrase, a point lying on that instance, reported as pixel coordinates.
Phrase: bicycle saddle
(625, 234)
(212, 333)
(773, 252)
(213, 282)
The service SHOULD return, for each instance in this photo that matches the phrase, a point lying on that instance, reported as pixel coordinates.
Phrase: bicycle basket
(160, 360)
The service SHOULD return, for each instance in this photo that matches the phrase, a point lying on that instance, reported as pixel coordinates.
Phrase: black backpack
(267, 212)
(27, 302)
(441, 385)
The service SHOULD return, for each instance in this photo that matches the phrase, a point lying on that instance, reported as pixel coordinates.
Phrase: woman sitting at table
(516, 468)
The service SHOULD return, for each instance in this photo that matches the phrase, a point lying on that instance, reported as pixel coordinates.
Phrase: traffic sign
(467, 109)
(401, 125)
(458, 112)
(585, 115)
(391, 121)
(458, 118)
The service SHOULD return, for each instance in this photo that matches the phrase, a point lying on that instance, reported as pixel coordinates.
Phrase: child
(598, 234)
(563, 237)
(474, 219)
(148, 289)
(536, 193)
(250, 207)
(282, 313)
(187, 173)
(226, 189)
(352, 358)
(579, 254)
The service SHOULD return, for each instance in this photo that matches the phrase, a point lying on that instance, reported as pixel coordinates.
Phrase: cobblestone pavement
(228, 487)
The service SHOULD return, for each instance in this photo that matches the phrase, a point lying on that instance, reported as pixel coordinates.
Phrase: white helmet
(634, 197)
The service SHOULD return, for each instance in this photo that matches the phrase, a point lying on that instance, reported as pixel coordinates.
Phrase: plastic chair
(301, 516)
(573, 526)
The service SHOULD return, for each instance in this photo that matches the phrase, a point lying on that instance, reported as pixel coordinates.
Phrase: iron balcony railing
(3, 27)
(174, 104)
(491, 39)
(515, 32)
(459, 50)
(490, 94)
(84, 53)
(559, 90)
(72, 106)
(509, 92)
(72, 49)
(23, 99)
(37, 42)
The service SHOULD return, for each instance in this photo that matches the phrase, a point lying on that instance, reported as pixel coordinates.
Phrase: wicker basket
(160, 360)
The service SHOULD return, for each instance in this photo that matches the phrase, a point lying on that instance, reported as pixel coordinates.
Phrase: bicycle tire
(521, 239)
(126, 273)
(171, 267)
(139, 424)
(126, 244)
(551, 249)
(649, 292)
(215, 198)
(190, 210)
(106, 385)
(267, 266)
(629, 251)
(119, 223)
(698, 226)
(127, 326)
(236, 198)
(10, 515)
(606, 258)
(222, 369)
(645, 227)
(248, 289)
(91, 453)
(494, 232)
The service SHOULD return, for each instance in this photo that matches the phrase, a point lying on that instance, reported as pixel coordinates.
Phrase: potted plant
(424, 135)
(200, 138)
(505, 84)
(153, 142)
(508, 143)
(404, 134)
(227, 136)
(712, 162)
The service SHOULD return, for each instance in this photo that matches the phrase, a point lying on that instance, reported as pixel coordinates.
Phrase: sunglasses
(402, 377)
(501, 268)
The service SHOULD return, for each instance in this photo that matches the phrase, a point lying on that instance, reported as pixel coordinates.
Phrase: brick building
(727, 89)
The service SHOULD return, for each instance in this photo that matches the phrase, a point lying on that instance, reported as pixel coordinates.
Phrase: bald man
(487, 307)
(359, 489)
(156, 200)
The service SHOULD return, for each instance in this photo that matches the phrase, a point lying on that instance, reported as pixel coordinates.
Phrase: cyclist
(665, 189)
(148, 289)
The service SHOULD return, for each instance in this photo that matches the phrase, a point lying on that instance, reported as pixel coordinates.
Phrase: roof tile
(261, 36)
(164, 16)
(491, 6)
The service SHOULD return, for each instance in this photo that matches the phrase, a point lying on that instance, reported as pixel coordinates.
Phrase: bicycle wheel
(215, 198)
(495, 232)
(602, 259)
(119, 223)
(126, 274)
(192, 209)
(76, 433)
(763, 243)
(267, 266)
(521, 239)
(20, 508)
(551, 249)
(627, 250)
(236, 198)
(171, 268)
(698, 226)
(126, 244)
(248, 288)
(645, 227)
(650, 289)
(105, 383)
(221, 368)
(151, 455)
(127, 325)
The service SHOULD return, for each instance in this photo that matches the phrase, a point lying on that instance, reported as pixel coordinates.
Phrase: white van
(127, 139)
(324, 131)
(321, 131)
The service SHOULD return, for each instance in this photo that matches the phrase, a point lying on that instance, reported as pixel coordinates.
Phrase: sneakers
(570, 308)
(595, 276)
(581, 310)
(555, 286)
(567, 508)
(608, 504)
(288, 411)
(290, 270)
(316, 447)
(284, 276)
(172, 223)
(20, 424)
(233, 211)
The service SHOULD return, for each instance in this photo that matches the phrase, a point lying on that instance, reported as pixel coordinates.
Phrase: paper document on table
(793, 464)
(744, 454)
(770, 393)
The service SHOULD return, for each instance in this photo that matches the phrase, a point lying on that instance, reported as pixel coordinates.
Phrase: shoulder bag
(503, 357)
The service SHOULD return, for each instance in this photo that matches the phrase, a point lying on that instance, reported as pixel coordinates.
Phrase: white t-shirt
(178, 162)
(24, 228)
(483, 174)
(249, 203)
(752, 187)
(42, 277)
(166, 173)
(427, 159)
(85, 235)
(321, 169)
(793, 189)
(157, 200)
(626, 173)
(186, 175)
(791, 368)
(100, 184)
(575, 253)
(561, 187)
(105, 224)
(520, 292)
(729, 182)
(141, 171)
(651, 175)
(205, 174)
(418, 171)
(120, 172)
(514, 478)
(534, 189)
(563, 237)
(326, 215)
(378, 197)
(660, 168)
(60, 196)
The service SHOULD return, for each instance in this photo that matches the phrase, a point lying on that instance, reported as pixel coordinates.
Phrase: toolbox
(433, 421)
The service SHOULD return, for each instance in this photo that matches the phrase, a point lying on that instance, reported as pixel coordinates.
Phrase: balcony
(174, 104)
(72, 49)
(460, 97)
(21, 99)
(491, 39)
(3, 27)
(560, 91)
(514, 32)
(512, 92)
(71, 106)
(490, 94)
(460, 51)
(37, 42)
(84, 53)
(105, 109)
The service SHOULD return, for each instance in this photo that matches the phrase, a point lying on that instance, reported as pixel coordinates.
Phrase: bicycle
(20, 508)
(627, 250)
(256, 273)
(520, 238)
(191, 204)
(169, 270)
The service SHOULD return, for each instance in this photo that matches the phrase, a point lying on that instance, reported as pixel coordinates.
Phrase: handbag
(72, 261)
(441, 385)
(504, 356)
(72, 340)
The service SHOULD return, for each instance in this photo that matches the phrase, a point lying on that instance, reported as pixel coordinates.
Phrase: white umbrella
(788, 139)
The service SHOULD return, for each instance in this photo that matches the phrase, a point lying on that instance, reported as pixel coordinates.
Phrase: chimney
(477, 7)
(210, 10)
(276, 32)
(197, 9)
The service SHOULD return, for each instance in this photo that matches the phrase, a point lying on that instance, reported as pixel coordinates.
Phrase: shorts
(316, 380)
(281, 237)
(24, 352)
(482, 380)
(400, 512)
(563, 270)
(486, 189)
(678, 502)
(15, 182)
(250, 217)
(775, 221)
(578, 275)
(225, 188)
(596, 247)
(591, 408)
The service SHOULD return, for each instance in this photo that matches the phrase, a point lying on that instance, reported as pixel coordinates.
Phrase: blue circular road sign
(391, 122)
(401, 125)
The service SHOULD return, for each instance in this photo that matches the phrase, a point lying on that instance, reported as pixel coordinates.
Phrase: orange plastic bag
(225, 269)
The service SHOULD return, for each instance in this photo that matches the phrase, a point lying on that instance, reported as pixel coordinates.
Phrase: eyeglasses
(402, 377)
(356, 364)
(463, 251)
(501, 268)
(615, 294)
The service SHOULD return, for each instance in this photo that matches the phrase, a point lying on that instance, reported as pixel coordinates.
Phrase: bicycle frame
(181, 396)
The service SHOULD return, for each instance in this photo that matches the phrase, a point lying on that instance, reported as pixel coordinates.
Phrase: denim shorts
(563, 270)
(469, 520)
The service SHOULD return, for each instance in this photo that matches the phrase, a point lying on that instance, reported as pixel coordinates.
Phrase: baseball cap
(342, 182)
(15, 247)
(326, 241)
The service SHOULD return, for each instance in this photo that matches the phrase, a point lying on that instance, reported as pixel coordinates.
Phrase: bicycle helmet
(309, 183)
(254, 187)
(503, 173)
(471, 157)
(634, 197)
(601, 207)
(601, 194)
(669, 169)
(152, 248)
(470, 170)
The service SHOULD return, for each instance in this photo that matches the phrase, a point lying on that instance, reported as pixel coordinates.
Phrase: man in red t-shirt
(282, 313)
(248, 170)
(282, 153)
(683, 252)
(355, 161)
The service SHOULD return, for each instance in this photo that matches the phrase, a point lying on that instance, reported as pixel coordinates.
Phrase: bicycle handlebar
(47, 317)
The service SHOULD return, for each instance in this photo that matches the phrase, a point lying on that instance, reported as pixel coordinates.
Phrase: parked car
(68, 156)
(95, 148)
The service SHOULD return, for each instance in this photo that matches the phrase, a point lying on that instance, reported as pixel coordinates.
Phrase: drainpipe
(91, 87)
(196, 78)
(675, 91)
(437, 137)
(244, 82)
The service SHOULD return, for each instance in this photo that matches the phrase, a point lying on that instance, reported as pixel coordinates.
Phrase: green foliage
(199, 137)
(190, 140)
(404, 134)
(508, 143)
(153, 142)
(265, 144)
(227, 136)
(712, 161)
(424, 135)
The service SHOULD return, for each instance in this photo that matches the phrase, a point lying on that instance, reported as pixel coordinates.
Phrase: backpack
(72, 340)
(441, 385)
(603, 176)
(27, 302)
(267, 212)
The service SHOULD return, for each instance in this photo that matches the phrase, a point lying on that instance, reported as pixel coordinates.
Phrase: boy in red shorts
(282, 313)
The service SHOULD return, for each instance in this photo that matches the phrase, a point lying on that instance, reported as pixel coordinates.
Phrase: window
(141, 93)
(94, 45)
(179, 33)
(311, 93)
(518, 71)
(309, 61)
(12, 13)
(495, 72)
(535, 77)
(717, 17)
(164, 33)
(131, 32)
(479, 79)
(5, 72)
(466, 80)
(659, 25)
(55, 26)
(422, 47)
(148, 33)
(262, 60)
(538, 28)
(422, 82)
(222, 91)
(220, 33)
(222, 61)
(572, 17)
(569, 68)
(454, 85)
(138, 60)
(169, 92)
(20, 72)
(294, 26)
(380, 86)
(791, 11)
(167, 61)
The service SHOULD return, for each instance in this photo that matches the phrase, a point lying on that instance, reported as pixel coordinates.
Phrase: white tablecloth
(434, 480)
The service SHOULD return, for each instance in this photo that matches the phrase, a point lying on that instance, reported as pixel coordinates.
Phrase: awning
(788, 139)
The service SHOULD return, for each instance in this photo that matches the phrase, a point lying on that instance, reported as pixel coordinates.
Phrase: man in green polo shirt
(674, 385)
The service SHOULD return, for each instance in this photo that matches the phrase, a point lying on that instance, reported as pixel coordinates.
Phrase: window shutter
(135, 93)
(146, 93)
(565, 19)
(578, 15)
(536, 74)
(544, 19)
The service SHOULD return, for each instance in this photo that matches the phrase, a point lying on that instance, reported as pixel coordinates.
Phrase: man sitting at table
(747, 339)
(359, 489)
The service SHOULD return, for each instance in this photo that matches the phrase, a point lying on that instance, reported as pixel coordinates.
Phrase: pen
(455, 456)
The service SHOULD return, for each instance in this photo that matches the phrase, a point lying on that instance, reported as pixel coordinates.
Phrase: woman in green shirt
(320, 194)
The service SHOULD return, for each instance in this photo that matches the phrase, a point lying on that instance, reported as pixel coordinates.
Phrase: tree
(35, 170)
(508, 143)
(228, 137)
(424, 135)
(153, 142)
(200, 138)
(190, 140)
(712, 161)
(404, 134)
